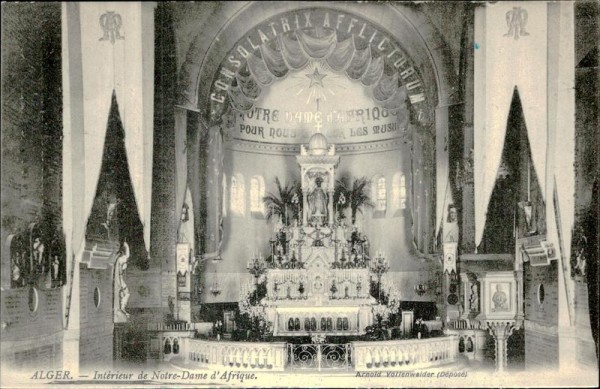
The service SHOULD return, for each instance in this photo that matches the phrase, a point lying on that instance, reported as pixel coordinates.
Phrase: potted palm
(341, 194)
(284, 201)
(359, 197)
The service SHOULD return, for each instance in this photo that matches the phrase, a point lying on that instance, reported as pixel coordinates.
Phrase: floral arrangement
(253, 315)
(392, 294)
(381, 311)
(389, 302)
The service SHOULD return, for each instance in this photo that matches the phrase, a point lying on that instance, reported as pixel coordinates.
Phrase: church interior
(300, 186)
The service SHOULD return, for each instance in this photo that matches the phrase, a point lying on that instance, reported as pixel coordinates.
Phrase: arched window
(379, 193)
(238, 195)
(257, 192)
(225, 202)
(398, 191)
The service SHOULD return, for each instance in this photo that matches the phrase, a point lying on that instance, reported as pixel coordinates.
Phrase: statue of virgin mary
(317, 200)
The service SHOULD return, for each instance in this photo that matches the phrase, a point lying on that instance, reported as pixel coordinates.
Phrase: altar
(318, 272)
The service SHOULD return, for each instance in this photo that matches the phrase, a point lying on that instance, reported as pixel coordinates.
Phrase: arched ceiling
(398, 36)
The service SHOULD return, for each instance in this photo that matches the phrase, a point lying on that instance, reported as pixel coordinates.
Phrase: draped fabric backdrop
(125, 66)
(504, 62)
(294, 54)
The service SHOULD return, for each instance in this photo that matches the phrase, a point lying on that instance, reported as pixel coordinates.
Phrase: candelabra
(379, 266)
(257, 267)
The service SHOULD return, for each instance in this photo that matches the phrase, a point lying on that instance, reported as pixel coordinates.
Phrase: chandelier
(215, 289)
(420, 289)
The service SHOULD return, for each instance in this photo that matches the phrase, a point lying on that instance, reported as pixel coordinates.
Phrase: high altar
(318, 278)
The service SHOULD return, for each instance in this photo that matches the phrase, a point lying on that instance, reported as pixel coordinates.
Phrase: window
(257, 192)
(398, 191)
(238, 195)
(379, 193)
(225, 202)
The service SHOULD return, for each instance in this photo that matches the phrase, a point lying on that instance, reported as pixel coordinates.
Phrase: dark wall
(163, 223)
(31, 172)
(31, 119)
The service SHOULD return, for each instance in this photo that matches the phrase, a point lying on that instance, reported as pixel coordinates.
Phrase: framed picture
(500, 297)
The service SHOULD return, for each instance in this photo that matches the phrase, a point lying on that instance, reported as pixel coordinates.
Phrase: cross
(318, 126)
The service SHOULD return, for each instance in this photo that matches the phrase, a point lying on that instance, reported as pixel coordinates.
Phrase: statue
(111, 209)
(317, 200)
(55, 272)
(500, 300)
(17, 279)
(38, 253)
(183, 233)
(123, 290)
(474, 298)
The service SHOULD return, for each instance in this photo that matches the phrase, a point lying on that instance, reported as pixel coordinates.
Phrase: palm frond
(278, 203)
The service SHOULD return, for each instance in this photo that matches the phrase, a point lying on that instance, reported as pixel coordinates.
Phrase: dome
(317, 143)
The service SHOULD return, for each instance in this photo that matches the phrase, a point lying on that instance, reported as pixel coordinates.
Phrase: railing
(234, 355)
(400, 354)
(277, 356)
(200, 327)
(319, 356)
(471, 341)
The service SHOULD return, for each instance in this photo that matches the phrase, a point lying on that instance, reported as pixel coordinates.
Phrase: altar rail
(401, 354)
(234, 355)
(471, 342)
(200, 327)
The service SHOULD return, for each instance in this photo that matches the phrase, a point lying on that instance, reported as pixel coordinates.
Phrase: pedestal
(501, 331)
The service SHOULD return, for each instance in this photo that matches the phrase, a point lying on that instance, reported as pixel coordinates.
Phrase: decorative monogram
(111, 22)
(516, 19)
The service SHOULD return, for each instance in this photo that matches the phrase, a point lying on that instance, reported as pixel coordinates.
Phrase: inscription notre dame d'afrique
(345, 24)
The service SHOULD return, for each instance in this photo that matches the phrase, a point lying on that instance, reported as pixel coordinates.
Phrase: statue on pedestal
(317, 201)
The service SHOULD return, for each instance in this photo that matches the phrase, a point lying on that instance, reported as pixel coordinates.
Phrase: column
(466, 293)
(520, 314)
(330, 207)
(560, 173)
(501, 331)
(467, 215)
(304, 206)
(442, 171)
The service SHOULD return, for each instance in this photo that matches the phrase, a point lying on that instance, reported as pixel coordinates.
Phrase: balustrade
(276, 356)
(393, 355)
(237, 355)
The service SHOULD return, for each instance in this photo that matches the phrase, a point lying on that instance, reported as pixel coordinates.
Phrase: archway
(399, 52)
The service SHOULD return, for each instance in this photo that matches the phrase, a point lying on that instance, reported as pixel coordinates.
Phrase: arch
(238, 195)
(398, 191)
(429, 57)
(225, 199)
(421, 42)
(379, 193)
(257, 192)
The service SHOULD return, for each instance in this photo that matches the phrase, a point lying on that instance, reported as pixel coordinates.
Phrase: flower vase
(419, 335)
